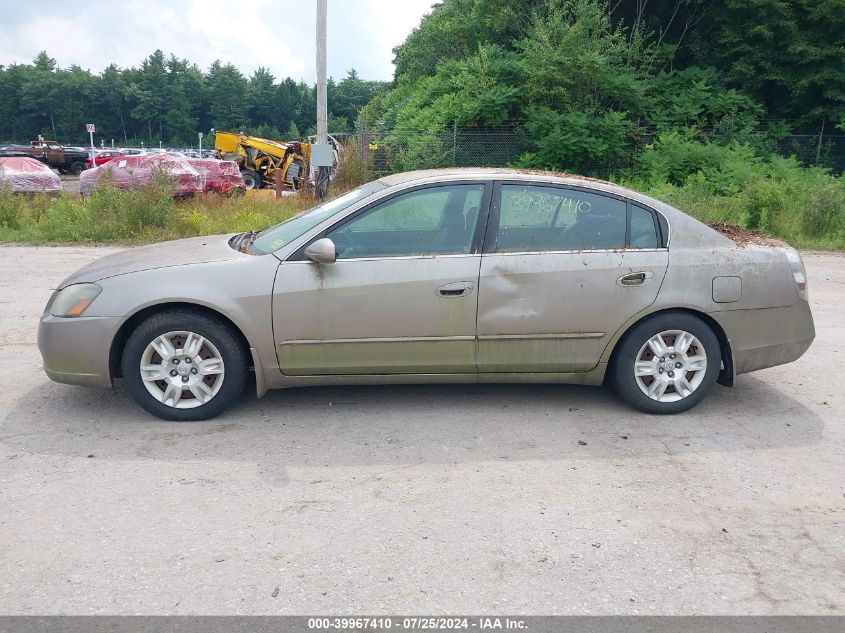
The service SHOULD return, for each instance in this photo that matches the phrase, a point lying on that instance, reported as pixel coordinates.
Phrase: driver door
(401, 296)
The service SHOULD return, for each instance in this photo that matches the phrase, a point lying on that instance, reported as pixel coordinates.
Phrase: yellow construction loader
(260, 160)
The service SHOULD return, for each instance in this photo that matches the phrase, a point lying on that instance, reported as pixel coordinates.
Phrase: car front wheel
(666, 364)
(184, 366)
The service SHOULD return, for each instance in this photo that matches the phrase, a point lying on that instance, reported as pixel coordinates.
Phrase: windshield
(272, 239)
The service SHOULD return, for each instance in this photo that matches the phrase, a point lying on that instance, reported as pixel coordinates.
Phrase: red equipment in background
(219, 176)
(133, 172)
(26, 175)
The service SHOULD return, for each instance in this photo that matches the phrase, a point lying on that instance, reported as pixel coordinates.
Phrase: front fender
(239, 289)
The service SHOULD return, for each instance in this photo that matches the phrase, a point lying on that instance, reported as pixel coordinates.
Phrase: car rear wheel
(77, 167)
(666, 364)
(184, 366)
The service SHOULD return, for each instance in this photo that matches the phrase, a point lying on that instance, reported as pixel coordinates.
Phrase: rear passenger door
(562, 269)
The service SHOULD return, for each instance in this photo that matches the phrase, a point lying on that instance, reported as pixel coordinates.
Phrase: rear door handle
(634, 279)
(457, 289)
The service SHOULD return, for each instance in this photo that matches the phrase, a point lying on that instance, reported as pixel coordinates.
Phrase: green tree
(39, 99)
(111, 106)
(227, 97)
(180, 125)
(293, 132)
(77, 92)
(788, 55)
(347, 97)
(259, 96)
(455, 29)
(150, 92)
(784, 54)
(44, 62)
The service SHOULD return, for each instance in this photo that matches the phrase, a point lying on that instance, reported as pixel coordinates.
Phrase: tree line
(587, 82)
(168, 100)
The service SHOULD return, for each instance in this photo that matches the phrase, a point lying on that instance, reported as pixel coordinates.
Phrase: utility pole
(320, 151)
(322, 108)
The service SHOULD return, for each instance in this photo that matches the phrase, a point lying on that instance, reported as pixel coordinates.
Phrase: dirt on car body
(744, 237)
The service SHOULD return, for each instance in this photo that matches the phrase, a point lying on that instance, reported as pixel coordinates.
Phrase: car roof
(494, 173)
(491, 173)
(488, 173)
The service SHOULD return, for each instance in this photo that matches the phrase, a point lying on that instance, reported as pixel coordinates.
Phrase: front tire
(251, 179)
(184, 366)
(666, 364)
(77, 167)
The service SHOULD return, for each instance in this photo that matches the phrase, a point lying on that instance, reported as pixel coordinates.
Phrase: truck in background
(67, 160)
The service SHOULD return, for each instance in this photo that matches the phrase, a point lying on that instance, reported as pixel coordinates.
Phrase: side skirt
(280, 381)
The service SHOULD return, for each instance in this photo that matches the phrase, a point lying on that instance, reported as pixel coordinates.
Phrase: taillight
(798, 272)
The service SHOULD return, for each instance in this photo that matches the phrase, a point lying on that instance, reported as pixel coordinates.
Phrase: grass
(135, 217)
(807, 215)
(150, 214)
(804, 206)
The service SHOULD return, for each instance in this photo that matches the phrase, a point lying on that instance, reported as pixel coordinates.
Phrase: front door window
(432, 221)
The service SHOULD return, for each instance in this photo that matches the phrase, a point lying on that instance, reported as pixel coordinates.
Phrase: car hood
(195, 250)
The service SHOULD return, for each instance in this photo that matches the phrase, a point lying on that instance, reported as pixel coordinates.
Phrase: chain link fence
(397, 151)
(815, 149)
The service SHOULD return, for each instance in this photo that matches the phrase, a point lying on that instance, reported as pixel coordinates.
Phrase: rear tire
(77, 167)
(184, 366)
(666, 364)
(251, 179)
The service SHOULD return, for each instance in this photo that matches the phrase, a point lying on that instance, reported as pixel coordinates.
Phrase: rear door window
(545, 218)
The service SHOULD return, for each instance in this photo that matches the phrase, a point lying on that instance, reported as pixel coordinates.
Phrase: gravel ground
(70, 184)
(508, 499)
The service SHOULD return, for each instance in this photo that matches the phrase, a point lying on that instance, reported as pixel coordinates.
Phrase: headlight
(73, 300)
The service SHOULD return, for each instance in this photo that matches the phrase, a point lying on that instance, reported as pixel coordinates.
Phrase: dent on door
(555, 312)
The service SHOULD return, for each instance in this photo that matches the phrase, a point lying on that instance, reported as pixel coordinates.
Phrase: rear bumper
(76, 351)
(767, 337)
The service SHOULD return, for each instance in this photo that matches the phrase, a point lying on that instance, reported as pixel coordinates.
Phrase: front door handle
(634, 279)
(457, 289)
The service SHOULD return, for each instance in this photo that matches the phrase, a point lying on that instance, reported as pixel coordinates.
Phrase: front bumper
(76, 351)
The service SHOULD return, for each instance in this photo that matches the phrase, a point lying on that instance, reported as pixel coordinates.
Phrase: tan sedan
(436, 276)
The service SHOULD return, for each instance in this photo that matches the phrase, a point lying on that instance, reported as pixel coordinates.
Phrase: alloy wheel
(670, 366)
(182, 369)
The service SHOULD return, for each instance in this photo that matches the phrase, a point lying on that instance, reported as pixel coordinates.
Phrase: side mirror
(322, 251)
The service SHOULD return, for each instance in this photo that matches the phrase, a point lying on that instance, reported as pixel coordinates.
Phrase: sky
(278, 34)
